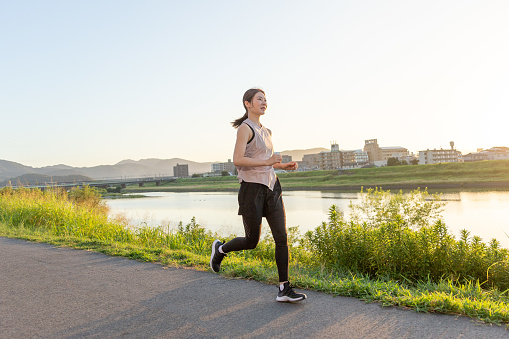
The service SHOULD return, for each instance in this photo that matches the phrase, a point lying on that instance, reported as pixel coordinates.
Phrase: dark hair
(248, 96)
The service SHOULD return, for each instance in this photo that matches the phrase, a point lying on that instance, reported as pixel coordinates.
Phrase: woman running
(260, 193)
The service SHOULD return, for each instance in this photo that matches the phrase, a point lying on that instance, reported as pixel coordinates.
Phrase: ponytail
(248, 96)
(237, 122)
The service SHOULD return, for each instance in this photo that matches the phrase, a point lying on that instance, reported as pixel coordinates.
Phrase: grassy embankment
(395, 250)
(484, 174)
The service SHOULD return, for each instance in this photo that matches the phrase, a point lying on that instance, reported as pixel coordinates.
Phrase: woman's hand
(289, 166)
(274, 159)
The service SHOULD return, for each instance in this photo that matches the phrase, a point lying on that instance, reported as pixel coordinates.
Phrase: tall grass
(82, 213)
(78, 213)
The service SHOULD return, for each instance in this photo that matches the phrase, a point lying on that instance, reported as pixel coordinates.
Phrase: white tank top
(260, 147)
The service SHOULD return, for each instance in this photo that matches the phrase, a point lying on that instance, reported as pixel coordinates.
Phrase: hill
(299, 153)
(165, 166)
(10, 169)
(126, 168)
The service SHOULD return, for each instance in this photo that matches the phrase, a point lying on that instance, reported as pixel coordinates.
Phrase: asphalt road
(49, 292)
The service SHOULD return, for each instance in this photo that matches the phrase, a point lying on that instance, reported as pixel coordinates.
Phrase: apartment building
(330, 160)
(494, 153)
(181, 171)
(436, 156)
(354, 158)
(394, 152)
(497, 153)
(310, 161)
(334, 159)
(225, 166)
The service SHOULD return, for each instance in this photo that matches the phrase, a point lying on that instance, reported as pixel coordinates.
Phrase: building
(310, 162)
(380, 155)
(373, 150)
(181, 171)
(354, 158)
(436, 156)
(334, 159)
(398, 152)
(225, 166)
(494, 153)
(330, 160)
(286, 158)
(497, 153)
(471, 157)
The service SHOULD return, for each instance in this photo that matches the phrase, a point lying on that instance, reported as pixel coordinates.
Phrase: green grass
(423, 175)
(80, 220)
(489, 174)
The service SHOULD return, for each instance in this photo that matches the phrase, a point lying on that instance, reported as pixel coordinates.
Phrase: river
(482, 213)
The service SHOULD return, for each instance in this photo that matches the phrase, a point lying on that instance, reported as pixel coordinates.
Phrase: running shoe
(216, 257)
(288, 294)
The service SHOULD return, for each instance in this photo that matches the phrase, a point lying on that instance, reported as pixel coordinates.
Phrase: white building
(436, 156)
(225, 166)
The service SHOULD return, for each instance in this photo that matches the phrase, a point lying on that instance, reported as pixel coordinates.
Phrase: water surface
(482, 213)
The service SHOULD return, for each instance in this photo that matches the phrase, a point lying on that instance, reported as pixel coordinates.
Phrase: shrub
(403, 237)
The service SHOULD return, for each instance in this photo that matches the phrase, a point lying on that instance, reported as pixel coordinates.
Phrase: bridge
(122, 182)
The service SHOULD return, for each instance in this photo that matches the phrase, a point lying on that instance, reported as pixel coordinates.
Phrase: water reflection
(482, 213)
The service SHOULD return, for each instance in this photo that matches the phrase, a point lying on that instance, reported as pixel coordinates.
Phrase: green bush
(402, 237)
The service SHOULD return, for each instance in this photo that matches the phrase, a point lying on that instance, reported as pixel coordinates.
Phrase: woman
(260, 192)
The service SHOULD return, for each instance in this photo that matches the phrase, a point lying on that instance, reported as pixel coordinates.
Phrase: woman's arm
(243, 135)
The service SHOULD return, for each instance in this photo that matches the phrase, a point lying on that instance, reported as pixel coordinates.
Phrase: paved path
(51, 292)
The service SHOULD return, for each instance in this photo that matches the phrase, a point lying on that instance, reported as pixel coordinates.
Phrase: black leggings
(252, 227)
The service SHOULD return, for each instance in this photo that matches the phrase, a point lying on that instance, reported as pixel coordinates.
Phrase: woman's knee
(251, 243)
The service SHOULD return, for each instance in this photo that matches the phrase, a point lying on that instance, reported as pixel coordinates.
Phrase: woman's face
(258, 105)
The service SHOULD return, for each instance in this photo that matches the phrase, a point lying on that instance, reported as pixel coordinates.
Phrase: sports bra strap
(252, 130)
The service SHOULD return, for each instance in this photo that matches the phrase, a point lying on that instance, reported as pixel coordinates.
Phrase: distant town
(158, 170)
(371, 155)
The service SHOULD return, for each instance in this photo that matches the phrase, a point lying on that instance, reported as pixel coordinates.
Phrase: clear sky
(85, 83)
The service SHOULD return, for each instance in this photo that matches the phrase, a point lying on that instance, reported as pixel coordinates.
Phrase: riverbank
(483, 175)
(81, 221)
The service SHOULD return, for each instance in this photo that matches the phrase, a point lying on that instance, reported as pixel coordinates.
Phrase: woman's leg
(277, 223)
(252, 228)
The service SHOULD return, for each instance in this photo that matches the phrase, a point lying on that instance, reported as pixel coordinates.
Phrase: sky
(87, 83)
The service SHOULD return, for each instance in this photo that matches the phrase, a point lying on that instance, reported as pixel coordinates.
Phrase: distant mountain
(50, 170)
(299, 153)
(125, 168)
(41, 179)
(116, 171)
(9, 169)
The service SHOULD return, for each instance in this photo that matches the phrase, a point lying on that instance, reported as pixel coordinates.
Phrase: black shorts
(257, 200)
